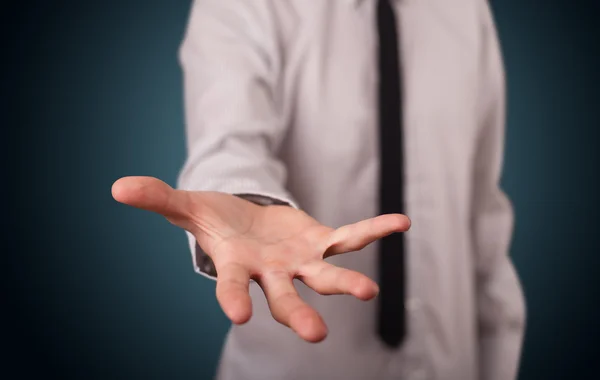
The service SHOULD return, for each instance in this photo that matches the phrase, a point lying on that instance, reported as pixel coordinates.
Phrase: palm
(271, 245)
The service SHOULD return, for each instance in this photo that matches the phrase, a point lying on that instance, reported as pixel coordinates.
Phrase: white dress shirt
(280, 99)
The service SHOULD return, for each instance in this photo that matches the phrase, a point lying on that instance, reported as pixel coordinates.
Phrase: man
(313, 127)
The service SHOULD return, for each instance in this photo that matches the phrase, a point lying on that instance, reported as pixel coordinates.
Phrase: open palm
(271, 245)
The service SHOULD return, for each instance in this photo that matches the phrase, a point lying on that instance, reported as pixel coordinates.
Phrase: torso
(327, 94)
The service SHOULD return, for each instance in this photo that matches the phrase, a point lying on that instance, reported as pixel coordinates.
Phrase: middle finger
(289, 309)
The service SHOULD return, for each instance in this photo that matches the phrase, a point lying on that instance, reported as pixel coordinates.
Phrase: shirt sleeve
(501, 306)
(234, 131)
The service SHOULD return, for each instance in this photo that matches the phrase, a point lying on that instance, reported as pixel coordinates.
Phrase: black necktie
(392, 320)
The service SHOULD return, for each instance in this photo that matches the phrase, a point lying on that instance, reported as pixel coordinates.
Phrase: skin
(269, 244)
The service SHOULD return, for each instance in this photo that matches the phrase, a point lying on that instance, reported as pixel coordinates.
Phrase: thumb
(151, 194)
(354, 237)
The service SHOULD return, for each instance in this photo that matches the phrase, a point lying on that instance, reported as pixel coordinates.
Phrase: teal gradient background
(97, 290)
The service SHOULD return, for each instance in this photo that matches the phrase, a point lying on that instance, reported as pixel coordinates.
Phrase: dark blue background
(92, 92)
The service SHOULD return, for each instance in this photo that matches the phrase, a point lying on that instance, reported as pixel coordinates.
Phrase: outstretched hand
(269, 244)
